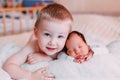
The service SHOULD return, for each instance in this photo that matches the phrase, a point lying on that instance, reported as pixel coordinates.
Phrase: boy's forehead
(55, 26)
(56, 21)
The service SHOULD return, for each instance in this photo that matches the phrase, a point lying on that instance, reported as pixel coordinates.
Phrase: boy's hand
(37, 57)
(40, 75)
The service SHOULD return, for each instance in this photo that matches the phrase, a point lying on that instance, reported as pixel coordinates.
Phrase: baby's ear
(36, 32)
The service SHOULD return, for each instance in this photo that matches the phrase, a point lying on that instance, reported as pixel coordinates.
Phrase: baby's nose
(77, 50)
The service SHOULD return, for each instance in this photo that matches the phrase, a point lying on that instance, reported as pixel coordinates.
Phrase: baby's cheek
(85, 51)
(71, 53)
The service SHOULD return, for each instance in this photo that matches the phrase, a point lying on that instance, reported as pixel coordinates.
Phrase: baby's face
(76, 46)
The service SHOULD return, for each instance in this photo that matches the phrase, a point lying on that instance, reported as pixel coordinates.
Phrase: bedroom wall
(92, 6)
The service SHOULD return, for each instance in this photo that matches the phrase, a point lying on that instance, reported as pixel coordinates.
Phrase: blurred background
(75, 6)
(23, 3)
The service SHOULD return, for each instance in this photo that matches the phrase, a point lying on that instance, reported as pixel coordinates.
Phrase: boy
(50, 33)
(76, 46)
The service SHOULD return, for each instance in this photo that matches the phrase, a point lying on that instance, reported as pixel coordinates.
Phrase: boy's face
(52, 36)
(76, 46)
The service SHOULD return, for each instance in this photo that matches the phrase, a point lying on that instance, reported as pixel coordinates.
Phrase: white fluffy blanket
(100, 67)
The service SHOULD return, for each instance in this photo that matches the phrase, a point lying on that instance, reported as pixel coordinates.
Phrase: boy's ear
(35, 31)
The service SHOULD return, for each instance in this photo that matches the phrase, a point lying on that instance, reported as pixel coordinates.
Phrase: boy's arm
(13, 64)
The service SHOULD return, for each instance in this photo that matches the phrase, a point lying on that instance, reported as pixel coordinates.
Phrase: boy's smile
(51, 49)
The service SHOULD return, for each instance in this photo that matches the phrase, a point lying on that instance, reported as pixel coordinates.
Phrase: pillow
(106, 28)
(96, 44)
(95, 38)
(98, 48)
(114, 46)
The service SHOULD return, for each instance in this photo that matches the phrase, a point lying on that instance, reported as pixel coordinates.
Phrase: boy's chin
(54, 55)
(50, 54)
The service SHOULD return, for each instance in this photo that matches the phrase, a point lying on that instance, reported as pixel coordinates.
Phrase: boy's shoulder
(32, 45)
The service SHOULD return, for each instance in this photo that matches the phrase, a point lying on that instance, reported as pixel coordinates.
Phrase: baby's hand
(82, 58)
(89, 55)
(37, 57)
(79, 59)
(40, 75)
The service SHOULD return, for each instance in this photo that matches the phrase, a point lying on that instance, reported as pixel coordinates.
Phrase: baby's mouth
(78, 57)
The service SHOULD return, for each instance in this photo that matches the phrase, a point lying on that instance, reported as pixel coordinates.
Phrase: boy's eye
(60, 36)
(47, 34)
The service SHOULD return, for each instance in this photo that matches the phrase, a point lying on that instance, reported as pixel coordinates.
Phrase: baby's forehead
(73, 35)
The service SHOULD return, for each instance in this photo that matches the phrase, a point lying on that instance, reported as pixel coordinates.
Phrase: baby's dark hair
(79, 34)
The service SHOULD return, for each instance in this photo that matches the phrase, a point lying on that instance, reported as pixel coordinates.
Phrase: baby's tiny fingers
(77, 61)
(49, 75)
(49, 79)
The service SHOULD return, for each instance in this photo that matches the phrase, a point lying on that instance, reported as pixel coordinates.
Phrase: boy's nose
(52, 42)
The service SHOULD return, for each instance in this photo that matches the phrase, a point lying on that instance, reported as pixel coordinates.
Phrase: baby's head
(76, 44)
(52, 27)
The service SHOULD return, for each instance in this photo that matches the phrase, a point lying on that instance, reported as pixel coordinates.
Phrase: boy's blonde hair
(53, 12)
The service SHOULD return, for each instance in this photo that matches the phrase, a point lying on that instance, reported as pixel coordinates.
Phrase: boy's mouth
(51, 49)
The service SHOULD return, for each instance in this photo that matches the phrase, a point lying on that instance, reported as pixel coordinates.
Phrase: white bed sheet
(99, 67)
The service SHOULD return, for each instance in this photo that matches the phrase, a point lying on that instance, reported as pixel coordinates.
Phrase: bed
(102, 33)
